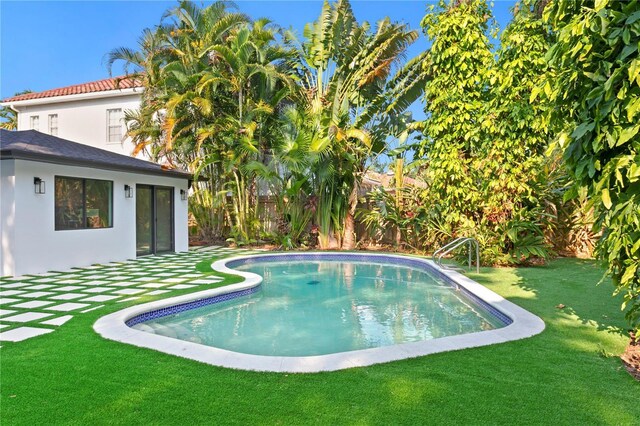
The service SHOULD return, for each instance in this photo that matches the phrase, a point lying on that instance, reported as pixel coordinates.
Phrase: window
(114, 125)
(53, 124)
(83, 203)
(34, 122)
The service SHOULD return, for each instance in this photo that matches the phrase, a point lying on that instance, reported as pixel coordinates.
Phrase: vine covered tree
(517, 132)
(485, 138)
(456, 94)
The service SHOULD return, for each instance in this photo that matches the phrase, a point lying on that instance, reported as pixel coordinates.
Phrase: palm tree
(223, 77)
(165, 58)
(248, 67)
(144, 64)
(9, 116)
(286, 170)
(344, 68)
(172, 59)
(220, 92)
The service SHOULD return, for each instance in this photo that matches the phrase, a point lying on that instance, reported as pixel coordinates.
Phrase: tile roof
(36, 146)
(104, 85)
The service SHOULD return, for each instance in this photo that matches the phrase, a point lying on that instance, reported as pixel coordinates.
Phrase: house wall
(36, 246)
(7, 216)
(82, 120)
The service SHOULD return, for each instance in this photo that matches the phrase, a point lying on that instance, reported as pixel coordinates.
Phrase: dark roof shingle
(104, 85)
(37, 146)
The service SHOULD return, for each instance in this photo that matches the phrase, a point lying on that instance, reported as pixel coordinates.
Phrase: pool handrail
(452, 245)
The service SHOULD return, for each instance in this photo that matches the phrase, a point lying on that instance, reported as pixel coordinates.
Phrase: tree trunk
(399, 182)
(349, 238)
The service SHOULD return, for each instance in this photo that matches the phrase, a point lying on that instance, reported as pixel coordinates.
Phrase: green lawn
(569, 374)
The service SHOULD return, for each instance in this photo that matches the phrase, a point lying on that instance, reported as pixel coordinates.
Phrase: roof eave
(52, 159)
(76, 97)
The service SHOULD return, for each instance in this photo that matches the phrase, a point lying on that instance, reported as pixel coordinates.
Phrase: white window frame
(53, 119)
(113, 126)
(34, 122)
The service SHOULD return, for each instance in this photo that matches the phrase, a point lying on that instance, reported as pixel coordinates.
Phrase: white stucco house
(89, 113)
(65, 204)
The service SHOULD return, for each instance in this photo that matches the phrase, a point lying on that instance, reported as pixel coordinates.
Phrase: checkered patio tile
(33, 305)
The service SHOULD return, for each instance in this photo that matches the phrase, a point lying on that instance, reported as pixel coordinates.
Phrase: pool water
(308, 308)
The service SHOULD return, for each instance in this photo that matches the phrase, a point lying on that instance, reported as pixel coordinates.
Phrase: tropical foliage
(213, 80)
(456, 95)
(595, 82)
(485, 140)
(514, 180)
(351, 99)
(248, 106)
(524, 147)
(8, 118)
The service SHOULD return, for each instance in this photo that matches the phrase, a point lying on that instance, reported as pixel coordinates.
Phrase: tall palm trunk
(239, 206)
(349, 237)
(399, 181)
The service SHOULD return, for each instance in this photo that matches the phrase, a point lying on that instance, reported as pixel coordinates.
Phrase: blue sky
(49, 44)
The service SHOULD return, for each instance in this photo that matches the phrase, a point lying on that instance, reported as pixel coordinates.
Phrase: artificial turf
(569, 374)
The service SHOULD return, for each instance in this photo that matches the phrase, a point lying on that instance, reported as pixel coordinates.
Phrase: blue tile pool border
(172, 310)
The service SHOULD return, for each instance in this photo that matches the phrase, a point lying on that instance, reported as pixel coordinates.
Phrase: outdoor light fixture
(183, 194)
(128, 191)
(39, 185)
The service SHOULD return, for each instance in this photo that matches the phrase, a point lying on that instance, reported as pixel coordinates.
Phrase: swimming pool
(323, 311)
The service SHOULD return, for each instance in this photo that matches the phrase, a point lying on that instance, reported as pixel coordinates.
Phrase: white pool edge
(114, 327)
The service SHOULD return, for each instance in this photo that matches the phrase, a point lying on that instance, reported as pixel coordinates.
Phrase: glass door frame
(154, 219)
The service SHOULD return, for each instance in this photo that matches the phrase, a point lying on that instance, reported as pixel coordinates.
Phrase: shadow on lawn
(567, 288)
(563, 289)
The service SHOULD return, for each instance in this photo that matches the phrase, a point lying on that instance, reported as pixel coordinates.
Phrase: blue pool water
(320, 307)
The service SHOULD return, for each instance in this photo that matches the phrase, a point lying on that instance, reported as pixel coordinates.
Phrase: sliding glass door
(154, 219)
(164, 219)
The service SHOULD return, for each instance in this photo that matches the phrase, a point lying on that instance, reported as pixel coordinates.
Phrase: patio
(33, 305)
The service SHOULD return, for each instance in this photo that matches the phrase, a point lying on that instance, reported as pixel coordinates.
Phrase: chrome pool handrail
(452, 245)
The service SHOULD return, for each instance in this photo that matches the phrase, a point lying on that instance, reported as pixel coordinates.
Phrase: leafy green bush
(595, 82)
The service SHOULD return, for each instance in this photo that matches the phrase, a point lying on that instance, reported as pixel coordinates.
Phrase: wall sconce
(183, 194)
(38, 185)
(128, 191)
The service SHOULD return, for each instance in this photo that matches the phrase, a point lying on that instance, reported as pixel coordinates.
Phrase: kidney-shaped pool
(323, 311)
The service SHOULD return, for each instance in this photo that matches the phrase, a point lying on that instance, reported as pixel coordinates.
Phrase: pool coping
(113, 327)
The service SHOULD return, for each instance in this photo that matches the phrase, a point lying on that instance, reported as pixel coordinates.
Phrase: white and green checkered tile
(33, 305)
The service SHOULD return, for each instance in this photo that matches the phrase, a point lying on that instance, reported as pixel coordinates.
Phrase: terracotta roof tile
(106, 84)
